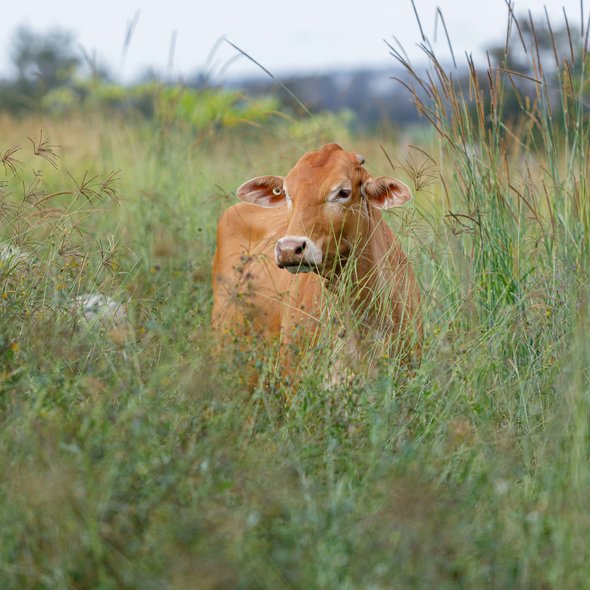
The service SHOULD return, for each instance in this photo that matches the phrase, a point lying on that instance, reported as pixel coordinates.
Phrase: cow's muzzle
(297, 254)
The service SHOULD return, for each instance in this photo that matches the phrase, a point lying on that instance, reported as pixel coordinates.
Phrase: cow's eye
(276, 191)
(339, 195)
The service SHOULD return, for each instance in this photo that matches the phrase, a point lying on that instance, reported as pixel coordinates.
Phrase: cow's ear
(385, 192)
(265, 191)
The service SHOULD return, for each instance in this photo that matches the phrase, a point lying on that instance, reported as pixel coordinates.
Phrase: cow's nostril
(299, 249)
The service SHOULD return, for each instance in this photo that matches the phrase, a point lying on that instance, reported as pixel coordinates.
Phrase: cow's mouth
(297, 268)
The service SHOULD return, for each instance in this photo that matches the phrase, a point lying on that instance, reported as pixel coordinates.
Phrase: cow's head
(328, 194)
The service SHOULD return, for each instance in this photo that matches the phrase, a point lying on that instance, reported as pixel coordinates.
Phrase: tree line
(51, 74)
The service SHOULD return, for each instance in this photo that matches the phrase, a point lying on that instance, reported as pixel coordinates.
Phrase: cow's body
(322, 229)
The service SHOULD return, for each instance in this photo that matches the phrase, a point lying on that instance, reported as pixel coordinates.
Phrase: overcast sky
(307, 35)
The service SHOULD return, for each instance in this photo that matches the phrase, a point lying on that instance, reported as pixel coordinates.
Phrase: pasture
(133, 454)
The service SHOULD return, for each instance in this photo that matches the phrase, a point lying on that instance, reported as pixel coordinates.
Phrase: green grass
(134, 456)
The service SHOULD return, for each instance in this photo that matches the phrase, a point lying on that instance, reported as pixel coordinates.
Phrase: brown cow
(295, 243)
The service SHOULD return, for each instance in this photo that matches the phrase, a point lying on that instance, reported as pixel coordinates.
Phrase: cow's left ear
(385, 192)
(264, 191)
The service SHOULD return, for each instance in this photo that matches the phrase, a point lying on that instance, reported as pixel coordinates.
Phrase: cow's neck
(377, 286)
(366, 273)
(372, 261)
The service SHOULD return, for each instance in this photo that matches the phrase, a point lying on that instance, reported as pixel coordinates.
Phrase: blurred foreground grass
(132, 456)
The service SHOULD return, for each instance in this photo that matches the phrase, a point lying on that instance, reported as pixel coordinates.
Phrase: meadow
(134, 455)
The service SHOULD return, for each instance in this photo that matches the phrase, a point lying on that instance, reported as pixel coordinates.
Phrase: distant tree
(540, 51)
(48, 58)
(43, 62)
(536, 37)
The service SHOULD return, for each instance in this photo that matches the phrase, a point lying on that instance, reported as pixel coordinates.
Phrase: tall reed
(516, 188)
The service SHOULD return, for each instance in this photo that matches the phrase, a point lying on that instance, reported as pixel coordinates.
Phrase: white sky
(307, 35)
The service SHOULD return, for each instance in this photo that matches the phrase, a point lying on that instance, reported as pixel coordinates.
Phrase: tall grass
(142, 460)
(513, 183)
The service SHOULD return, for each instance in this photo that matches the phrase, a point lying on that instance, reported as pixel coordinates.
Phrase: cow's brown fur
(254, 298)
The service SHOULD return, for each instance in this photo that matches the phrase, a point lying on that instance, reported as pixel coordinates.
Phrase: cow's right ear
(264, 191)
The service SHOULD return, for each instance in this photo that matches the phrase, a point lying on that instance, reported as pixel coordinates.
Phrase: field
(134, 455)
